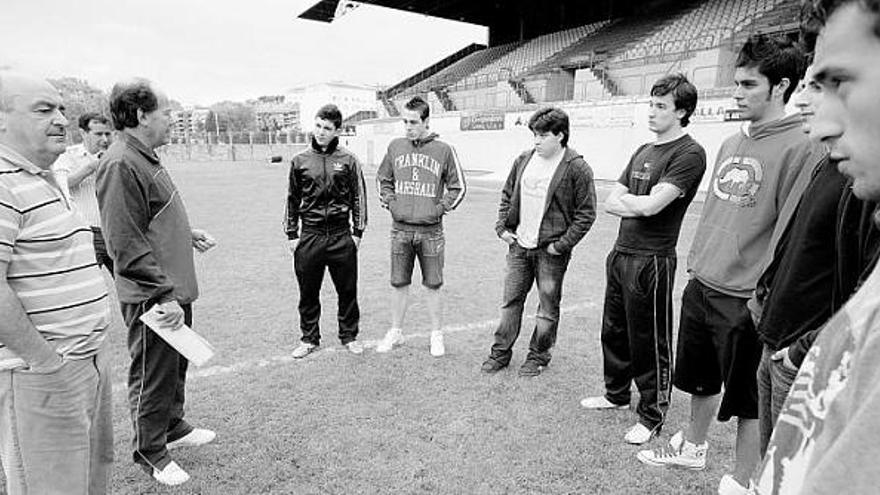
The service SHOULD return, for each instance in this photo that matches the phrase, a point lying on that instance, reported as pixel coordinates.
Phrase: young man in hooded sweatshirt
(547, 206)
(757, 181)
(420, 180)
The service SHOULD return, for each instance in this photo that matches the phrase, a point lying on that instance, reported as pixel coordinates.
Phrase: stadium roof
(473, 11)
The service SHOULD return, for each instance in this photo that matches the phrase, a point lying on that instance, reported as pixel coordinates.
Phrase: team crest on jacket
(738, 180)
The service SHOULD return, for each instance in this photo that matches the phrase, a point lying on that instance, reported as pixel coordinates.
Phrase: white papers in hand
(185, 340)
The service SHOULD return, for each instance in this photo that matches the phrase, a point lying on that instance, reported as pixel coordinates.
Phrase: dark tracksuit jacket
(570, 209)
(420, 181)
(148, 235)
(325, 190)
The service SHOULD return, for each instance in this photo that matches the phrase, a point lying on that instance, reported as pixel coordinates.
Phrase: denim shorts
(407, 246)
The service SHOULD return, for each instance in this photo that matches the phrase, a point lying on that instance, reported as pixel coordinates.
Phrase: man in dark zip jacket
(326, 188)
(420, 180)
(547, 206)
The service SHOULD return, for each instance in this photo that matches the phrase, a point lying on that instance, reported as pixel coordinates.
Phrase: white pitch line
(368, 344)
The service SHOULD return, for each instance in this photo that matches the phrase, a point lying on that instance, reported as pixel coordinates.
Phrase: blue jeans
(774, 383)
(56, 429)
(525, 266)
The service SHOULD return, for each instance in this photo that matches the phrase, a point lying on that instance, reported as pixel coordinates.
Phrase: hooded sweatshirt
(756, 171)
(420, 181)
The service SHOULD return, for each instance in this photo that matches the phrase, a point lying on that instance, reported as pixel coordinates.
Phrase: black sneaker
(530, 368)
(492, 366)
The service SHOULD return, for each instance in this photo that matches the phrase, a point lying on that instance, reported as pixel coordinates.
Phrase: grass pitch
(403, 422)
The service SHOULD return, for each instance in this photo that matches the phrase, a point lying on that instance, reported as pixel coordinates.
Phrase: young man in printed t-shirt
(651, 197)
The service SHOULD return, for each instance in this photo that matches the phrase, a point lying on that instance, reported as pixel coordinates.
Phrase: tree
(80, 97)
(231, 116)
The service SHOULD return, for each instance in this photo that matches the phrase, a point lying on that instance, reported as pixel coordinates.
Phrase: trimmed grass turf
(403, 422)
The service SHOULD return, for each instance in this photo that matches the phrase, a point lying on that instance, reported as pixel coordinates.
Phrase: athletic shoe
(491, 366)
(303, 350)
(172, 475)
(394, 336)
(530, 368)
(729, 486)
(437, 347)
(640, 434)
(688, 456)
(600, 402)
(354, 347)
(195, 438)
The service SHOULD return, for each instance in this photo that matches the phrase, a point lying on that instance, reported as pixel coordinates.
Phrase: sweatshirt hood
(772, 128)
(425, 139)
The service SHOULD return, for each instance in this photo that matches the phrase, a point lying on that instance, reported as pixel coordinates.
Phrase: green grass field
(402, 422)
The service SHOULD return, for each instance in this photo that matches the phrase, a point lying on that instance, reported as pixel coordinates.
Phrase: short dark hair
(684, 94)
(126, 98)
(89, 117)
(550, 119)
(815, 13)
(331, 113)
(776, 58)
(418, 104)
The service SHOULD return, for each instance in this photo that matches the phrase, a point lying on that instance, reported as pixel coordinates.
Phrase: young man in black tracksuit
(326, 189)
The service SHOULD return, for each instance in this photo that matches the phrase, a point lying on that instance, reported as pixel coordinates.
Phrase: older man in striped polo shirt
(56, 432)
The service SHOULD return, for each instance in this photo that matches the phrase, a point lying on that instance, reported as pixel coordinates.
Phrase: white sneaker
(303, 350)
(195, 438)
(729, 486)
(437, 347)
(601, 402)
(354, 347)
(639, 434)
(172, 475)
(687, 455)
(393, 336)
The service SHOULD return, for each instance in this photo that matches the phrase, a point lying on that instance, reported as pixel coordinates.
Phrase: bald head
(32, 121)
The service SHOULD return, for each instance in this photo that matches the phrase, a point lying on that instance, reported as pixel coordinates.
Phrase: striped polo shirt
(50, 260)
(83, 194)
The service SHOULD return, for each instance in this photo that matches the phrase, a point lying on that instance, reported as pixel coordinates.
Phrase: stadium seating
(526, 56)
(460, 69)
(701, 27)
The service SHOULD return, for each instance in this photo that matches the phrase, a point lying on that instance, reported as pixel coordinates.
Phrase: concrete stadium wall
(606, 134)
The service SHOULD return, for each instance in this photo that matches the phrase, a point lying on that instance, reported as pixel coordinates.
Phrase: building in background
(275, 113)
(350, 98)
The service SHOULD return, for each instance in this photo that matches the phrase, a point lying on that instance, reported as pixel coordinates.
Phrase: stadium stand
(600, 60)
(527, 56)
(704, 26)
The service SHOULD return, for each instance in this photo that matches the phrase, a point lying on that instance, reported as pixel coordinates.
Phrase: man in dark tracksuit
(326, 188)
(150, 240)
(547, 206)
(651, 197)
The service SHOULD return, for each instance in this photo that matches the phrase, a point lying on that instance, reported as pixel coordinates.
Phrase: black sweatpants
(637, 332)
(336, 252)
(156, 382)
